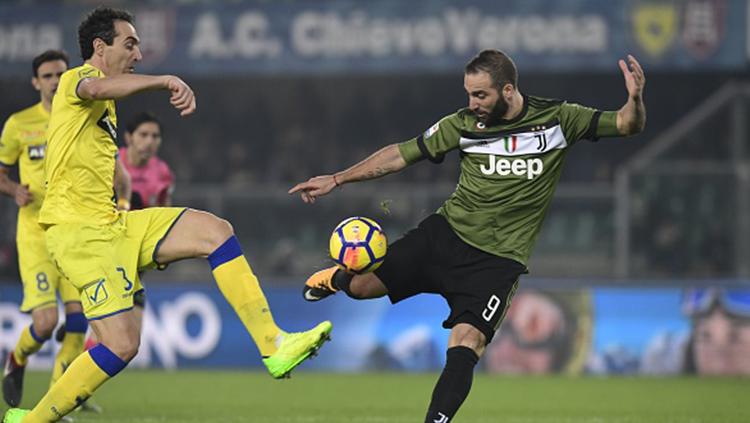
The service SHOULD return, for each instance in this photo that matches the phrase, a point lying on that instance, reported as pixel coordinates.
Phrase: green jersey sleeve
(581, 122)
(432, 145)
(10, 148)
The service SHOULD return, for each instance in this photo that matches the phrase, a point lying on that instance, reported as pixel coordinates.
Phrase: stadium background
(288, 90)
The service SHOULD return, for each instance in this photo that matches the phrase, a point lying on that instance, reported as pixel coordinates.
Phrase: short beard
(496, 115)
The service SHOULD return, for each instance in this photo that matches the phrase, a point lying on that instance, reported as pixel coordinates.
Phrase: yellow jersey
(81, 152)
(23, 142)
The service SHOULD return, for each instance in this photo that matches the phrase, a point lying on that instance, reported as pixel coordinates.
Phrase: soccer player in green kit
(473, 250)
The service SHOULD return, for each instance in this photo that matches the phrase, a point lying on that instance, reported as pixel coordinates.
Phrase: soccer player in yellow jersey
(23, 142)
(101, 250)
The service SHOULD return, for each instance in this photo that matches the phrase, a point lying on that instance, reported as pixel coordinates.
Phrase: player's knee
(125, 347)
(45, 322)
(73, 307)
(131, 351)
(44, 330)
(220, 230)
(466, 335)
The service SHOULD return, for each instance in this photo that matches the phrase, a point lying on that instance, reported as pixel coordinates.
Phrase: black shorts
(433, 259)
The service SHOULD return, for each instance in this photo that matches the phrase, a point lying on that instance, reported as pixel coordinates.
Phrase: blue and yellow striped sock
(84, 375)
(28, 343)
(242, 290)
(72, 344)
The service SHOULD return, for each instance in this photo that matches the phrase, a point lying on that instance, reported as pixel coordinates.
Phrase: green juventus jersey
(508, 171)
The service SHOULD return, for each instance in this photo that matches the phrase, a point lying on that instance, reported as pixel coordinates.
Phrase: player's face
(722, 344)
(48, 78)
(145, 140)
(484, 99)
(124, 52)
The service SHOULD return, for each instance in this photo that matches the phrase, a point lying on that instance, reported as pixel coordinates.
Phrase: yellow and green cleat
(15, 415)
(295, 348)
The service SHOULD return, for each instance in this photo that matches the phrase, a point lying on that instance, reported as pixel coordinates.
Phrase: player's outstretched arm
(19, 192)
(384, 161)
(631, 118)
(121, 86)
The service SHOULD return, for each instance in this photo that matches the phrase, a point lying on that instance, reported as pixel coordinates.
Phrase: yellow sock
(28, 343)
(84, 375)
(72, 347)
(240, 287)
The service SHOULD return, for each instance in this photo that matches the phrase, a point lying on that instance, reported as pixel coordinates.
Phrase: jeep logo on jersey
(105, 123)
(519, 167)
(36, 152)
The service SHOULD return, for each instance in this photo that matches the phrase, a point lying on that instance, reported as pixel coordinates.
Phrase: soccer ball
(358, 245)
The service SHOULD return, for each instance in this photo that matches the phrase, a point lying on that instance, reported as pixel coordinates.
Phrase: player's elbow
(396, 161)
(629, 125)
(634, 128)
(92, 90)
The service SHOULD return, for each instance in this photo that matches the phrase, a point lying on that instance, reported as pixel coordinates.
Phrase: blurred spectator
(152, 179)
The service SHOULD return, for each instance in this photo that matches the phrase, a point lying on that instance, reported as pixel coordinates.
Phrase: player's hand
(123, 204)
(183, 98)
(314, 187)
(634, 77)
(23, 196)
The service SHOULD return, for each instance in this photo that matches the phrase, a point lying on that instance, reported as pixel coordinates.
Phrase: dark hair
(139, 120)
(100, 23)
(48, 56)
(499, 65)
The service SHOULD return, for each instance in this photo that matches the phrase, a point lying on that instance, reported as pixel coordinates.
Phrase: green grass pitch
(242, 396)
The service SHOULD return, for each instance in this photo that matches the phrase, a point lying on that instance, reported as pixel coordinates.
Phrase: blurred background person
(23, 143)
(149, 179)
(152, 179)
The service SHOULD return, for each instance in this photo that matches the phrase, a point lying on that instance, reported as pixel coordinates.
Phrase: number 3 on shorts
(128, 282)
(492, 305)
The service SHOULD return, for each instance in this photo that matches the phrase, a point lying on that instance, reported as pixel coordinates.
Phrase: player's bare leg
(120, 333)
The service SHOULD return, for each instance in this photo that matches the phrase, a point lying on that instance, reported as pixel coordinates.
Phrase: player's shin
(84, 375)
(72, 344)
(240, 287)
(453, 386)
(28, 343)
